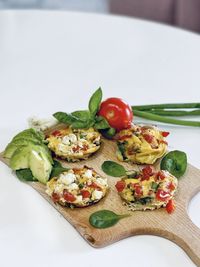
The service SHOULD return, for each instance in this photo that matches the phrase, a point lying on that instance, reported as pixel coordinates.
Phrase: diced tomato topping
(76, 148)
(148, 138)
(171, 186)
(85, 193)
(120, 185)
(147, 172)
(170, 206)
(56, 133)
(160, 175)
(68, 196)
(55, 197)
(163, 142)
(162, 195)
(95, 186)
(138, 189)
(85, 147)
(123, 137)
(165, 134)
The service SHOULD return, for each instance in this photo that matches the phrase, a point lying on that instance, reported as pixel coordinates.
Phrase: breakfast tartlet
(148, 190)
(74, 144)
(77, 187)
(141, 144)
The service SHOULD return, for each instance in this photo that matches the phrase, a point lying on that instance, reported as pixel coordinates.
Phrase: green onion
(155, 117)
(167, 106)
(175, 112)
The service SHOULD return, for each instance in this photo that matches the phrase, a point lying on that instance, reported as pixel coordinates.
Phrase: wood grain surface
(176, 227)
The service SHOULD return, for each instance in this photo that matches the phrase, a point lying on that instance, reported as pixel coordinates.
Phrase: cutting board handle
(187, 236)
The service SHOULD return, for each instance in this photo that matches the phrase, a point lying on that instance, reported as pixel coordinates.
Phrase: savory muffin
(141, 144)
(74, 144)
(77, 187)
(147, 190)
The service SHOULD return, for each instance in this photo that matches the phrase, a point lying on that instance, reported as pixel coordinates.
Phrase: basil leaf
(113, 169)
(105, 218)
(95, 102)
(65, 118)
(25, 175)
(83, 115)
(101, 123)
(175, 162)
(57, 169)
(108, 133)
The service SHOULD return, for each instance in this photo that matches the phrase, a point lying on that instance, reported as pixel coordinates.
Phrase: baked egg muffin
(148, 190)
(141, 144)
(77, 187)
(74, 144)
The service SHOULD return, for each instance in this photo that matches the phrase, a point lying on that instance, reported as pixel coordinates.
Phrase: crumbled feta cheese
(97, 194)
(66, 140)
(59, 188)
(41, 124)
(79, 199)
(102, 181)
(72, 138)
(62, 148)
(88, 174)
(67, 178)
(72, 186)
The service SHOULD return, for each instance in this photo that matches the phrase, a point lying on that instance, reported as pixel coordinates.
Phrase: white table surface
(51, 61)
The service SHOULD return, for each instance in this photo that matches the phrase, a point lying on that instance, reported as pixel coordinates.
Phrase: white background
(53, 61)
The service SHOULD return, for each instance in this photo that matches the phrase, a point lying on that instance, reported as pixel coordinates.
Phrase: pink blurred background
(180, 13)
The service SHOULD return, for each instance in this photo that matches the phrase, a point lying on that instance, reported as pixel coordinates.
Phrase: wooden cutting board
(176, 227)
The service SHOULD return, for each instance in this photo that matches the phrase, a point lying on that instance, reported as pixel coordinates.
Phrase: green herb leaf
(65, 118)
(101, 123)
(82, 115)
(105, 218)
(57, 169)
(25, 175)
(113, 169)
(175, 162)
(154, 186)
(95, 102)
(108, 133)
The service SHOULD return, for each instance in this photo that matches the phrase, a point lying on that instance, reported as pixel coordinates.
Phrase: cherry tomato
(170, 206)
(120, 185)
(118, 113)
(165, 134)
(162, 195)
(68, 196)
(85, 193)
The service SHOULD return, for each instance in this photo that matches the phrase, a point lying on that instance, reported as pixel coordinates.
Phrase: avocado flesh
(30, 133)
(40, 165)
(20, 158)
(14, 145)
